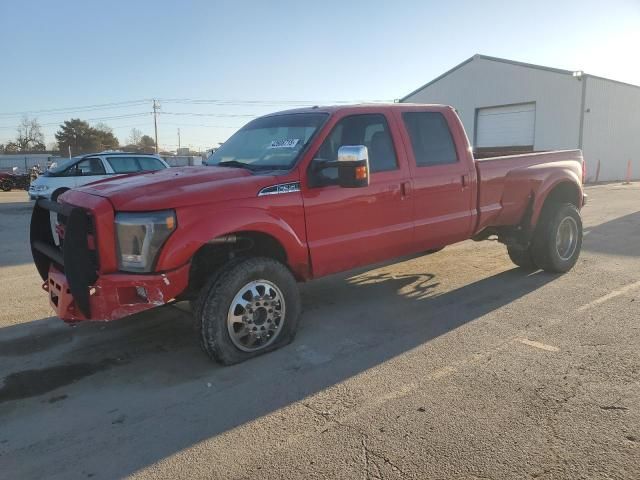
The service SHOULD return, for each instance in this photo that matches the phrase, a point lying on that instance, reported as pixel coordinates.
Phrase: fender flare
(195, 233)
(541, 194)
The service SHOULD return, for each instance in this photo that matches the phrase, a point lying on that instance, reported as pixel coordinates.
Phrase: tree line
(76, 137)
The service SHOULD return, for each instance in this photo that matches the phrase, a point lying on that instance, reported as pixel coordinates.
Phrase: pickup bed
(294, 196)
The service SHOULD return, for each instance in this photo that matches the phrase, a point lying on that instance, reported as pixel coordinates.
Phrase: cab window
(370, 130)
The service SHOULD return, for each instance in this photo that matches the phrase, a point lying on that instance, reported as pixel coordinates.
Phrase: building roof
(511, 62)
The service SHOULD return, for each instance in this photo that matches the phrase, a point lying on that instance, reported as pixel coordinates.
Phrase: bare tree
(30, 136)
(135, 136)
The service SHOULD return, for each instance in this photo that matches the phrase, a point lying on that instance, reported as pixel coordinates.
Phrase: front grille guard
(73, 258)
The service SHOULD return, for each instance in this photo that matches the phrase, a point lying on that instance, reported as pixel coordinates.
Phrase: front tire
(558, 238)
(249, 308)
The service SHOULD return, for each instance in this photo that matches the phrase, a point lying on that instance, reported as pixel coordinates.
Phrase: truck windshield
(269, 143)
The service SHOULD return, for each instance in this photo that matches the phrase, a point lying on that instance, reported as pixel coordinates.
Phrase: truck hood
(178, 187)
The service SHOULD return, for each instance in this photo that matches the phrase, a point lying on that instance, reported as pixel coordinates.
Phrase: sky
(214, 65)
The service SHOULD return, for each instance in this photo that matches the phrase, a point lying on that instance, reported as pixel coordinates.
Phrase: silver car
(75, 172)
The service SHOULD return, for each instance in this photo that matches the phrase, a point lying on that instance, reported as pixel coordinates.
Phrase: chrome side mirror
(353, 166)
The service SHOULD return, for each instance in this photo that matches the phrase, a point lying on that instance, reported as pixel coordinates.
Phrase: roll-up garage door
(508, 126)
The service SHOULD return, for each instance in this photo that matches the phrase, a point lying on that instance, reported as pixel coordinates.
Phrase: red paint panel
(351, 227)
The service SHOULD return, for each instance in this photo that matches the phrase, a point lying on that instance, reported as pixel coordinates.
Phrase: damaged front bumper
(77, 288)
(114, 296)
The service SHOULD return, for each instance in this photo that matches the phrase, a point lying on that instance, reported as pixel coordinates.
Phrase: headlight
(140, 237)
(38, 188)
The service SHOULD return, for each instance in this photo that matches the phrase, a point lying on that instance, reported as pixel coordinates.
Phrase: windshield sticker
(284, 143)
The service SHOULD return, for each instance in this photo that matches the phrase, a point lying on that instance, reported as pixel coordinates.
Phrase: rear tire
(557, 240)
(248, 308)
(522, 257)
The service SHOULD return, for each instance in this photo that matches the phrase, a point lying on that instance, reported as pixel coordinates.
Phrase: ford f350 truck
(294, 196)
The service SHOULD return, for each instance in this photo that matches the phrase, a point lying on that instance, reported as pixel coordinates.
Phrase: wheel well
(565, 192)
(212, 256)
(58, 192)
(520, 235)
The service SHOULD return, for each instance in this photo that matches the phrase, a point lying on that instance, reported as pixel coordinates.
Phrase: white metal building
(510, 107)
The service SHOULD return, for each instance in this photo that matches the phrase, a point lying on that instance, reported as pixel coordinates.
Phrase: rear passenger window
(124, 164)
(430, 138)
(150, 164)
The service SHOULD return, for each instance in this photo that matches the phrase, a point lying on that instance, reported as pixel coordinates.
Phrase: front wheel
(249, 308)
(558, 239)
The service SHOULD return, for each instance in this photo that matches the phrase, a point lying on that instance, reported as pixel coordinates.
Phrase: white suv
(78, 171)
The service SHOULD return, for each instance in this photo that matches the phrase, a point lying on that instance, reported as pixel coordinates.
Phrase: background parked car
(5, 181)
(78, 171)
(16, 180)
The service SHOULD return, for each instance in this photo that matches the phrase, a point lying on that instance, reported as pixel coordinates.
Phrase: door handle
(405, 188)
(465, 180)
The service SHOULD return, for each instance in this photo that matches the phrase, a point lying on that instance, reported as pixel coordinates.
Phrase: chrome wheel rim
(567, 238)
(256, 315)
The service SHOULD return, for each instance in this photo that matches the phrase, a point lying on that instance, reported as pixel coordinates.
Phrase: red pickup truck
(294, 196)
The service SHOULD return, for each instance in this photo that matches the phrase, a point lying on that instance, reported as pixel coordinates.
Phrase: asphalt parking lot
(453, 365)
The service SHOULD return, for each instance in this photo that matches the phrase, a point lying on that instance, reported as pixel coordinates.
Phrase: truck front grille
(73, 256)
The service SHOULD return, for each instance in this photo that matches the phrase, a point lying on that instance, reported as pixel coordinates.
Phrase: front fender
(198, 225)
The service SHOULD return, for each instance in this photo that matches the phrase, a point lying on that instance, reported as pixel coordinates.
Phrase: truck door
(443, 198)
(351, 227)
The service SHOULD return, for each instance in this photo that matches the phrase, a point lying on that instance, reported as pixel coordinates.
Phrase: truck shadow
(620, 236)
(350, 324)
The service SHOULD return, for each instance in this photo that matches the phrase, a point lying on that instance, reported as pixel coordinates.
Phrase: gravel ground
(453, 365)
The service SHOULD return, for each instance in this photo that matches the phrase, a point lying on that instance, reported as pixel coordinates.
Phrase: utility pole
(156, 106)
(178, 139)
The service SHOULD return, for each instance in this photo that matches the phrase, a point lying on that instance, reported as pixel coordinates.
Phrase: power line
(192, 101)
(113, 117)
(221, 115)
(173, 124)
(189, 101)
(86, 108)
(114, 127)
(131, 125)
(156, 110)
